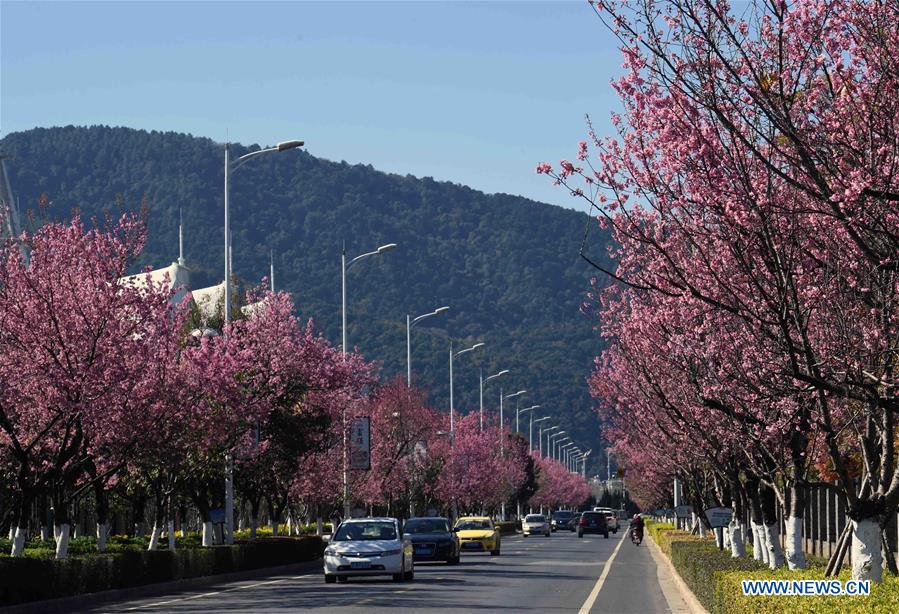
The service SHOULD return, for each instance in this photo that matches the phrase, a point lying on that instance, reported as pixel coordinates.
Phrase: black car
(592, 522)
(432, 540)
(563, 519)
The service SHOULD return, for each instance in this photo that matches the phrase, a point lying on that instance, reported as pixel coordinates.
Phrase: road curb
(89, 601)
(690, 600)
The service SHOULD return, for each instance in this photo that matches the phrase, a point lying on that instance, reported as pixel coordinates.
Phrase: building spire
(9, 212)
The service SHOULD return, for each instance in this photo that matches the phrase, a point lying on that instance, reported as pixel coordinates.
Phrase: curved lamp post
(230, 167)
(451, 356)
(344, 267)
(410, 322)
(531, 432)
(484, 381)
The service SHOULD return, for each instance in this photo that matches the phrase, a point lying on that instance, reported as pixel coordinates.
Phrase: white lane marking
(591, 598)
(213, 593)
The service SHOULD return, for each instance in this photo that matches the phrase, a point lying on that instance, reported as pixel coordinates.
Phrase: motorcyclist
(637, 525)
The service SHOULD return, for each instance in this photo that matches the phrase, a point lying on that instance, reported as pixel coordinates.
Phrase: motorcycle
(636, 536)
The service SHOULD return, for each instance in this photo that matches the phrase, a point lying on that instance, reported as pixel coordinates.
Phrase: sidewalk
(680, 598)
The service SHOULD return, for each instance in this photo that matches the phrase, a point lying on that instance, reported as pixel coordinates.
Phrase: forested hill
(506, 265)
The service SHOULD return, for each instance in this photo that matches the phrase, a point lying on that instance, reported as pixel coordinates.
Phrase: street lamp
(548, 430)
(531, 432)
(451, 356)
(518, 412)
(410, 322)
(484, 381)
(557, 445)
(551, 443)
(344, 267)
(563, 452)
(501, 398)
(230, 167)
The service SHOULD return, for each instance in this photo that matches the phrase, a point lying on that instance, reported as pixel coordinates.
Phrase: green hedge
(714, 577)
(32, 578)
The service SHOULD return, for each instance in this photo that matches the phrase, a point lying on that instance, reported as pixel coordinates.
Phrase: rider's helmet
(636, 517)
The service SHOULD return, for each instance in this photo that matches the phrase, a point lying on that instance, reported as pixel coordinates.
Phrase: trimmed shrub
(715, 579)
(33, 578)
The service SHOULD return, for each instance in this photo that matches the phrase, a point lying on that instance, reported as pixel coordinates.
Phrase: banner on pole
(360, 444)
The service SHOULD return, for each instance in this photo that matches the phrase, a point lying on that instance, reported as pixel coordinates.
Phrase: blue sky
(475, 93)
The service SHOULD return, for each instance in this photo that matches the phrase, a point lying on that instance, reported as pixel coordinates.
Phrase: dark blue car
(432, 540)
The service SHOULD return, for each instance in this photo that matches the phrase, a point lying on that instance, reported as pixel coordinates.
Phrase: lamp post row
(231, 166)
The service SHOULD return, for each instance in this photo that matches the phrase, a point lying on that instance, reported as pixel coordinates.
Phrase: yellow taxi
(477, 534)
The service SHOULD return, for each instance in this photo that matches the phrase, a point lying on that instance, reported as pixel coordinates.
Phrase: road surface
(557, 574)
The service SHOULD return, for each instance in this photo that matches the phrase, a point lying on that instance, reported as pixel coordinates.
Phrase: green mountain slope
(507, 266)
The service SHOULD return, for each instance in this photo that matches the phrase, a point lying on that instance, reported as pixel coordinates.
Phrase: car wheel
(581, 535)
(494, 552)
(343, 579)
(606, 535)
(524, 534)
(398, 577)
(330, 578)
(453, 560)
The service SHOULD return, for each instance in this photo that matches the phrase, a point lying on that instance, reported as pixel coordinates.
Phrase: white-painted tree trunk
(102, 532)
(253, 525)
(12, 532)
(170, 530)
(867, 559)
(319, 526)
(62, 544)
(154, 537)
(795, 555)
(18, 541)
(727, 537)
(45, 532)
(758, 543)
(737, 549)
(772, 545)
(56, 532)
(76, 530)
(274, 525)
(719, 538)
(207, 534)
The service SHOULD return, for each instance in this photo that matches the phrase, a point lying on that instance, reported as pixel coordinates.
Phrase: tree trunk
(62, 544)
(796, 511)
(865, 554)
(771, 528)
(102, 533)
(207, 533)
(170, 529)
(18, 542)
(154, 536)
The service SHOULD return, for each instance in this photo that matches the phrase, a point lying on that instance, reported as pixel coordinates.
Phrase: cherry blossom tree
(753, 187)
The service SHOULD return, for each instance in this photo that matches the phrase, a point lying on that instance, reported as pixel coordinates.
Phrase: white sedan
(369, 547)
(535, 524)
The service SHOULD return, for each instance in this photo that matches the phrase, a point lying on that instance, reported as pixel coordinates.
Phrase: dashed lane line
(213, 593)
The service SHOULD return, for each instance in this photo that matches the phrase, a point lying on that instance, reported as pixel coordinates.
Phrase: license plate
(472, 545)
(423, 550)
(360, 564)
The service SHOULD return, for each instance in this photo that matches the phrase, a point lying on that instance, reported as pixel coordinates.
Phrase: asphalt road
(557, 574)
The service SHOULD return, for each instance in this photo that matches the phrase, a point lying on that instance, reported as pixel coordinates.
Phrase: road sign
(360, 444)
(719, 516)
(683, 511)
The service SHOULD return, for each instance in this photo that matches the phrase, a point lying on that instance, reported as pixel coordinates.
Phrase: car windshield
(426, 525)
(592, 515)
(562, 515)
(534, 518)
(360, 531)
(473, 525)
